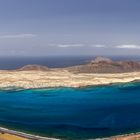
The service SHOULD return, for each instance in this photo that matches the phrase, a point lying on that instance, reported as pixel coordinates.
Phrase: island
(100, 71)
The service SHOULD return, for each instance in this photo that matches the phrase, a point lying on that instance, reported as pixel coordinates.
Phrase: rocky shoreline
(23, 135)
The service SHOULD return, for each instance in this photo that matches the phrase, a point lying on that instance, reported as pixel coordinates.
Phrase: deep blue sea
(69, 113)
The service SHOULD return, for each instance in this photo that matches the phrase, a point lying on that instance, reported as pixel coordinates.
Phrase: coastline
(129, 136)
(21, 135)
(18, 135)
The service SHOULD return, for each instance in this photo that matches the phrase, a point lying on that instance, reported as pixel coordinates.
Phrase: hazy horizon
(69, 27)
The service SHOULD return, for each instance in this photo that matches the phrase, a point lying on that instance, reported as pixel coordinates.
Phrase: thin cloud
(98, 45)
(70, 45)
(67, 45)
(17, 36)
(128, 46)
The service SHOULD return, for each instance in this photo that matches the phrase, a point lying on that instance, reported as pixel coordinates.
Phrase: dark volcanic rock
(34, 67)
(106, 65)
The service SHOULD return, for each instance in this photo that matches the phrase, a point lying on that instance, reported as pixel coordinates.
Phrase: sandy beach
(7, 136)
(61, 78)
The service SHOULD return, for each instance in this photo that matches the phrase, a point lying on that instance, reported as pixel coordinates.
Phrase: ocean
(73, 113)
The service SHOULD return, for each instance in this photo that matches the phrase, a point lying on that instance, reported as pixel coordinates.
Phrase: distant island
(100, 71)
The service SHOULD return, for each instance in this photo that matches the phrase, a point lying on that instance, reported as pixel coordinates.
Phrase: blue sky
(69, 27)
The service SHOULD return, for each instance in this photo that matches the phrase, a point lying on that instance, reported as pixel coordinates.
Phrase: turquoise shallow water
(73, 113)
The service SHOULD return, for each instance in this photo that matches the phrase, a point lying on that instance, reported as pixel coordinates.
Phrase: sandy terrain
(129, 137)
(6, 136)
(63, 78)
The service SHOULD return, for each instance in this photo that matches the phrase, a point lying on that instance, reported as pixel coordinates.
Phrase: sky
(69, 27)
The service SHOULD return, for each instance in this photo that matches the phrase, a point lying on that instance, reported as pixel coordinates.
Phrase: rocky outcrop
(101, 59)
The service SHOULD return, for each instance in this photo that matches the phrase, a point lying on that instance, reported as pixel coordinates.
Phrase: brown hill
(106, 65)
(34, 67)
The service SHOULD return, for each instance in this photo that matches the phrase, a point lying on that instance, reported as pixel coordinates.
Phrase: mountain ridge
(97, 65)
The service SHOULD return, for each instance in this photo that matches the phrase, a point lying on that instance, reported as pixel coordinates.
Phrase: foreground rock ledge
(61, 78)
